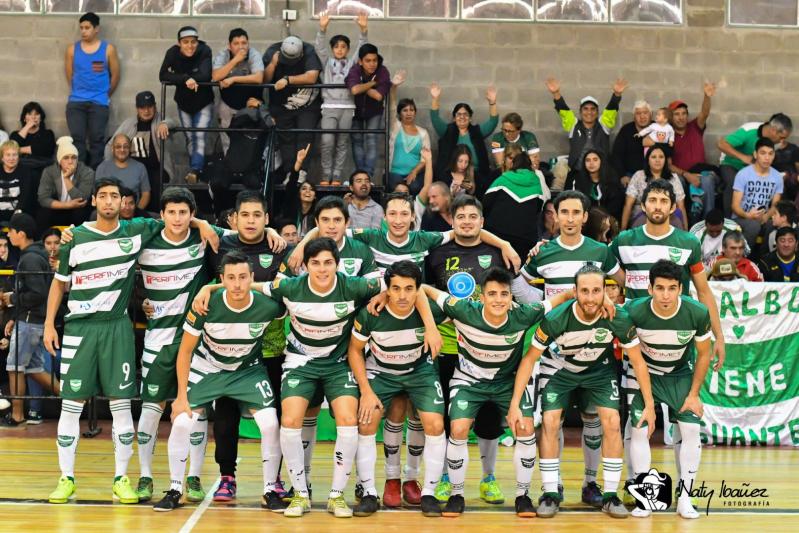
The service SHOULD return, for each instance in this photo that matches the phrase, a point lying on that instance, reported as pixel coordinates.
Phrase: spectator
(288, 230)
(654, 168)
(17, 189)
(459, 175)
(781, 265)
(291, 65)
(3, 132)
(710, 233)
(549, 222)
(628, 149)
(432, 206)
(228, 218)
(597, 179)
(36, 142)
(337, 104)
(65, 188)
(786, 158)
(600, 226)
(363, 211)
(145, 132)
(300, 198)
(236, 67)
(756, 191)
(513, 134)
(659, 132)
(130, 172)
(738, 148)
(462, 131)
(92, 70)
(402, 188)
(733, 247)
(591, 130)
(187, 64)
(406, 142)
(725, 270)
(51, 239)
(784, 216)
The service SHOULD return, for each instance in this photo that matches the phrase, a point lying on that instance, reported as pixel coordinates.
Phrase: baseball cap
(725, 267)
(291, 50)
(589, 100)
(188, 31)
(145, 99)
(23, 222)
(676, 104)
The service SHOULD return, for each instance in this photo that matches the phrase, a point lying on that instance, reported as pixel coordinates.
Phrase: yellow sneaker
(298, 506)
(124, 491)
(64, 491)
(338, 507)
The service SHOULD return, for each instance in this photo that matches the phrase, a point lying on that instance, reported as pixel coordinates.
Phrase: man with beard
(363, 211)
(433, 208)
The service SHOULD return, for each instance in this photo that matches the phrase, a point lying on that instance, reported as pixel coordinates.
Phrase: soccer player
(584, 363)
(491, 339)
(670, 325)
(397, 364)
(98, 346)
(218, 357)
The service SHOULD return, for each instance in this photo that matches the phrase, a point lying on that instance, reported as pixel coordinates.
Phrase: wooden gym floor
(29, 472)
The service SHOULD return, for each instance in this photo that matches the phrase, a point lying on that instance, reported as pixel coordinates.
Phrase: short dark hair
(331, 202)
(663, 268)
(462, 105)
(590, 268)
(32, 106)
(521, 161)
(398, 196)
(178, 195)
(659, 185)
(51, 232)
(405, 102)
(732, 235)
(404, 269)
(573, 195)
(106, 182)
(251, 196)
(91, 18)
(514, 119)
(234, 257)
(714, 217)
(124, 191)
(763, 141)
(367, 49)
(498, 275)
(282, 223)
(787, 209)
(339, 38)
(319, 245)
(786, 230)
(465, 200)
(359, 171)
(237, 32)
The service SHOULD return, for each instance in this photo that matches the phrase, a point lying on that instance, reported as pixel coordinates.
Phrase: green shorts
(332, 378)
(669, 389)
(249, 386)
(422, 386)
(98, 357)
(597, 386)
(467, 397)
(158, 377)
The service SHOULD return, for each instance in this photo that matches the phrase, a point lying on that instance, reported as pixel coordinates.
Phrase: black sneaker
(430, 506)
(8, 422)
(169, 502)
(548, 505)
(367, 506)
(358, 492)
(524, 506)
(34, 418)
(455, 506)
(272, 501)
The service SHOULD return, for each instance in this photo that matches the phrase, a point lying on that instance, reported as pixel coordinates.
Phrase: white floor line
(198, 512)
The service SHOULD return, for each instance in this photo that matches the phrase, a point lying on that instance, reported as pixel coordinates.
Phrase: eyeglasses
(461, 115)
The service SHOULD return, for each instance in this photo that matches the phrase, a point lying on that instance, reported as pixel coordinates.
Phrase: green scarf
(522, 185)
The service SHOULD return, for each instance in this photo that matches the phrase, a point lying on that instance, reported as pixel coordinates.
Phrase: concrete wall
(755, 67)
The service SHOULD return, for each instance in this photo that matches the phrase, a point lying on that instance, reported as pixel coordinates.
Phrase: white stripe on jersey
(155, 338)
(664, 336)
(383, 258)
(103, 250)
(170, 307)
(96, 278)
(233, 330)
(225, 350)
(315, 333)
(172, 280)
(174, 256)
(102, 302)
(651, 253)
(492, 355)
(560, 269)
(319, 311)
(489, 339)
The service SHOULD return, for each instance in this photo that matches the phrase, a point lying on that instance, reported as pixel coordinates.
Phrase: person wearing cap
(628, 148)
(187, 64)
(26, 353)
(65, 188)
(92, 69)
(733, 248)
(591, 130)
(290, 65)
(512, 132)
(781, 264)
(17, 188)
(724, 270)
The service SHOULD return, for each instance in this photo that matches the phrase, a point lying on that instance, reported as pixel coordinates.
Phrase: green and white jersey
(666, 343)
(320, 324)
(172, 273)
(230, 339)
(583, 345)
(356, 260)
(101, 267)
(558, 263)
(637, 251)
(396, 343)
(487, 353)
(386, 253)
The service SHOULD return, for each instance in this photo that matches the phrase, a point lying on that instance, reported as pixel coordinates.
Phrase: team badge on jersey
(601, 334)
(484, 260)
(340, 309)
(684, 336)
(75, 384)
(419, 334)
(349, 266)
(675, 254)
(265, 260)
(194, 250)
(152, 389)
(293, 382)
(463, 404)
(510, 339)
(256, 330)
(126, 245)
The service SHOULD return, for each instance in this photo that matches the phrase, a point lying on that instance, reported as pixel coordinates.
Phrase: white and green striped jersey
(320, 324)
(666, 343)
(356, 260)
(172, 273)
(101, 267)
(386, 253)
(583, 345)
(230, 339)
(396, 343)
(637, 251)
(487, 353)
(558, 263)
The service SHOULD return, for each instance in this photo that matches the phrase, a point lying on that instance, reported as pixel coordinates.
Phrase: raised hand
(553, 85)
(709, 89)
(303, 153)
(435, 90)
(400, 77)
(363, 21)
(491, 94)
(324, 20)
(619, 85)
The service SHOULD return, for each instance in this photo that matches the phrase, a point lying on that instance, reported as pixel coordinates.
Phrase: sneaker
(490, 491)
(392, 496)
(338, 507)
(443, 489)
(273, 501)
(592, 495)
(366, 507)
(627, 498)
(123, 491)
(560, 494)
(430, 506)
(614, 507)
(280, 490)
(64, 491)
(455, 506)
(34, 418)
(548, 505)
(195, 492)
(686, 510)
(227, 490)
(358, 492)
(298, 506)
(169, 502)
(640, 513)
(144, 490)
(524, 506)
(8, 422)
(412, 492)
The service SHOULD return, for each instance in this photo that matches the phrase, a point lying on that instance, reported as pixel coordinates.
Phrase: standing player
(586, 364)
(670, 325)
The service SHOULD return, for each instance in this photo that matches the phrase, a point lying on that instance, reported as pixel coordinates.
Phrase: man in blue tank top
(92, 68)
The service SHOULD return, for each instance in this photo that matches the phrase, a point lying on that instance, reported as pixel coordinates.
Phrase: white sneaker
(686, 510)
(641, 513)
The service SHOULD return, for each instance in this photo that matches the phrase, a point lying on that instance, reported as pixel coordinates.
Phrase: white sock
(435, 454)
(122, 434)
(308, 443)
(270, 445)
(147, 435)
(365, 460)
(628, 435)
(690, 455)
(344, 456)
(592, 447)
(550, 472)
(677, 434)
(611, 474)
(178, 448)
(68, 435)
(488, 454)
(457, 463)
(415, 440)
(392, 440)
(523, 462)
(291, 446)
(640, 454)
(199, 441)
